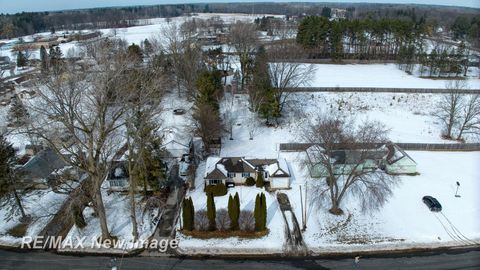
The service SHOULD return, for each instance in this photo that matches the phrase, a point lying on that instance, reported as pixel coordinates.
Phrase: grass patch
(225, 234)
(19, 230)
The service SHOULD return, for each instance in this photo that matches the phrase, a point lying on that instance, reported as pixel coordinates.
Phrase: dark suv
(432, 203)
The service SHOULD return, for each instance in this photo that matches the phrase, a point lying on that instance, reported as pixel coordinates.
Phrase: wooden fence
(384, 90)
(465, 147)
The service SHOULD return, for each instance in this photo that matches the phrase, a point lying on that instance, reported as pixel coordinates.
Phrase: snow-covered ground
(378, 75)
(271, 243)
(41, 205)
(404, 222)
(117, 207)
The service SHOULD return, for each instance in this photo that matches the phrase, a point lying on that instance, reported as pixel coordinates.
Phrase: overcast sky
(13, 6)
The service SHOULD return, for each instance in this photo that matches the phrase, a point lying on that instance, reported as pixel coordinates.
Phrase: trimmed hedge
(216, 190)
(250, 181)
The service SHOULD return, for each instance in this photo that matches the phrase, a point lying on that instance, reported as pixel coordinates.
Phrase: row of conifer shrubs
(212, 223)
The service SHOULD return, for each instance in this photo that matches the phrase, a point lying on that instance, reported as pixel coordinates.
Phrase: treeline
(360, 39)
(27, 23)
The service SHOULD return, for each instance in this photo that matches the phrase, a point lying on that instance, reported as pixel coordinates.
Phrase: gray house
(36, 172)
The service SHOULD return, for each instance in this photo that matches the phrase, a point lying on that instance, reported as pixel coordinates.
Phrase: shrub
(260, 181)
(260, 213)
(233, 211)
(19, 230)
(216, 190)
(188, 214)
(201, 220)
(250, 181)
(211, 212)
(223, 220)
(246, 221)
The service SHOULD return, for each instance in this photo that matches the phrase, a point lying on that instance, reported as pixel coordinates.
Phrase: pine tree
(234, 211)
(260, 180)
(44, 58)
(211, 212)
(188, 214)
(21, 59)
(260, 212)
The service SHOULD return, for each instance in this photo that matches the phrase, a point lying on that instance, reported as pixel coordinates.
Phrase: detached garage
(278, 174)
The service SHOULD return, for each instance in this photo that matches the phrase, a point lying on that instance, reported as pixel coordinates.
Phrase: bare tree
(201, 220)
(449, 106)
(252, 125)
(342, 152)
(184, 53)
(81, 116)
(223, 220)
(285, 72)
(246, 221)
(469, 117)
(229, 114)
(243, 37)
(143, 108)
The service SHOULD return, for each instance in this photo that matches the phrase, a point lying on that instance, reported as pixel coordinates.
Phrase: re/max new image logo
(79, 243)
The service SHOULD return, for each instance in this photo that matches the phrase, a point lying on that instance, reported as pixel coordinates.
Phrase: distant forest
(465, 21)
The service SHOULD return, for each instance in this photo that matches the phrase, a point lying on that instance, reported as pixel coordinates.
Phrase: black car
(432, 203)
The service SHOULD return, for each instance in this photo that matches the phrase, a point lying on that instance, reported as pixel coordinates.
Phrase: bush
(250, 181)
(217, 190)
(201, 220)
(19, 230)
(260, 181)
(246, 221)
(223, 220)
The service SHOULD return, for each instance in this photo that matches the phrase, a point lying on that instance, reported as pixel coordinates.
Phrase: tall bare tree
(82, 116)
(243, 37)
(285, 72)
(342, 151)
(469, 122)
(449, 107)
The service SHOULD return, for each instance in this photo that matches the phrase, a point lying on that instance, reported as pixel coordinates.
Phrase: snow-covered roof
(279, 168)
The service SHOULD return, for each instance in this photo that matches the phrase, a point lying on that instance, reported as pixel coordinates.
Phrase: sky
(13, 6)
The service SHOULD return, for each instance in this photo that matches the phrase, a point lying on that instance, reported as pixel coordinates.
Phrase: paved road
(48, 261)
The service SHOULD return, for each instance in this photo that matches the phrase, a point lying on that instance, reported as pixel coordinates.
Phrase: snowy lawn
(41, 205)
(117, 207)
(405, 221)
(378, 75)
(271, 243)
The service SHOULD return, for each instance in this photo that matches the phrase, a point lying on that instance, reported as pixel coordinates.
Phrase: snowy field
(41, 205)
(378, 75)
(271, 243)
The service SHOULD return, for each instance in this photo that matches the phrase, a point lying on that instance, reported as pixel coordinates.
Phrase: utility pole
(301, 205)
(305, 223)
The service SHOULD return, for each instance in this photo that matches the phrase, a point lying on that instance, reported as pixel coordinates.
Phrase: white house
(236, 170)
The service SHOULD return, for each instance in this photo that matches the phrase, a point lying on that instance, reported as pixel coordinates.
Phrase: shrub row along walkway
(384, 90)
(294, 244)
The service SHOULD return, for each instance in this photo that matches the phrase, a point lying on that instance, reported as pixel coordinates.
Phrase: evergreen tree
(44, 58)
(234, 211)
(211, 212)
(208, 87)
(260, 180)
(188, 214)
(260, 212)
(21, 59)
(17, 114)
(147, 47)
(135, 53)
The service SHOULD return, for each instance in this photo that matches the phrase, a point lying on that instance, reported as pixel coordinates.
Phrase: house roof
(42, 164)
(278, 169)
(395, 153)
(218, 168)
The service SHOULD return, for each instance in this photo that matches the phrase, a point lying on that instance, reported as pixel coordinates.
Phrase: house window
(215, 182)
(231, 174)
(118, 183)
(246, 174)
(265, 175)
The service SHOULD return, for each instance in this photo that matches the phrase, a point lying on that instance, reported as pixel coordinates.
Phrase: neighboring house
(177, 149)
(390, 158)
(118, 176)
(36, 172)
(5, 63)
(398, 161)
(235, 170)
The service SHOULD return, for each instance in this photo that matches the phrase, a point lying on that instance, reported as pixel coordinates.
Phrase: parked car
(432, 203)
